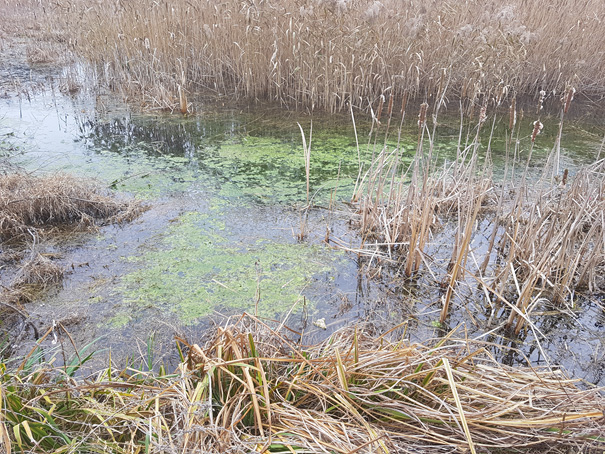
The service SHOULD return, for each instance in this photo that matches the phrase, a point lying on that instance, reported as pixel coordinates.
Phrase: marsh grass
(327, 54)
(546, 236)
(251, 388)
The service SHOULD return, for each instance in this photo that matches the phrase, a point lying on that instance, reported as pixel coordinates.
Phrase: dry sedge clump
(252, 390)
(30, 204)
(39, 271)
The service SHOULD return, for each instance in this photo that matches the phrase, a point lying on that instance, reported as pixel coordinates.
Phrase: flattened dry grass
(30, 204)
(252, 389)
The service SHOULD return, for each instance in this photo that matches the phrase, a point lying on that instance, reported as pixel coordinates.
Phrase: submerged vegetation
(195, 268)
(251, 388)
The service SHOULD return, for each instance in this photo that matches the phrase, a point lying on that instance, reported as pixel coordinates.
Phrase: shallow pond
(226, 191)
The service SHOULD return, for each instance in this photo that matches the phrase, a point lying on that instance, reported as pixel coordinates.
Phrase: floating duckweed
(195, 270)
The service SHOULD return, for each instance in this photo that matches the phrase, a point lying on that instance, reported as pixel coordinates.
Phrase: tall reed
(329, 54)
(544, 235)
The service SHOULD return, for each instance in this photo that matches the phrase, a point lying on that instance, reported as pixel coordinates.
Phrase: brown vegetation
(39, 271)
(30, 205)
(329, 53)
(545, 236)
(252, 389)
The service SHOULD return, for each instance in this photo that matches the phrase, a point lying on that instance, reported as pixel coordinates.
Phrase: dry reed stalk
(307, 156)
(182, 95)
(555, 155)
(328, 55)
(547, 236)
(461, 251)
(302, 234)
(403, 214)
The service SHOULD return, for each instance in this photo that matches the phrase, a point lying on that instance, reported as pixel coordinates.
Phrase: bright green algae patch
(272, 169)
(260, 168)
(195, 270)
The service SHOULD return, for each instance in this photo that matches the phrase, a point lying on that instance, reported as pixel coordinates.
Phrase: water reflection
(249, 175)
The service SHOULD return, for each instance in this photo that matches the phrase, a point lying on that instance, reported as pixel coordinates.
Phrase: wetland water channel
(226, 190)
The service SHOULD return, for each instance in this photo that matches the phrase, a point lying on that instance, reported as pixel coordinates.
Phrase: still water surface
(226, 192)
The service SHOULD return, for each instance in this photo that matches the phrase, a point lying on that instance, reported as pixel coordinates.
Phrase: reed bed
(30, 205)
(329, 54)
(544, 232)
(251, 389)
(555, 244)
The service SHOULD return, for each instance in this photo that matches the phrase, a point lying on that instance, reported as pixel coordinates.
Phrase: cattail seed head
(512, 114)
(537, 128)
(404, 102)
(483, 113)
(569, 98)
(422, 115)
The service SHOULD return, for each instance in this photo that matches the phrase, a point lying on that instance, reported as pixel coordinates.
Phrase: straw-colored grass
(39, 271)
(553, 242)
(30, 205)
(251, 389)
(545, 239)
(330, 53)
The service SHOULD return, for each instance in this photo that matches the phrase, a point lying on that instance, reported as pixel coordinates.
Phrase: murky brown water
(226, 189)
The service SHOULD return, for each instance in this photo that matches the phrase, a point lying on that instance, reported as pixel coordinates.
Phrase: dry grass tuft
(31, 207)
(251, 389)
(39, 271)
(30, 204)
